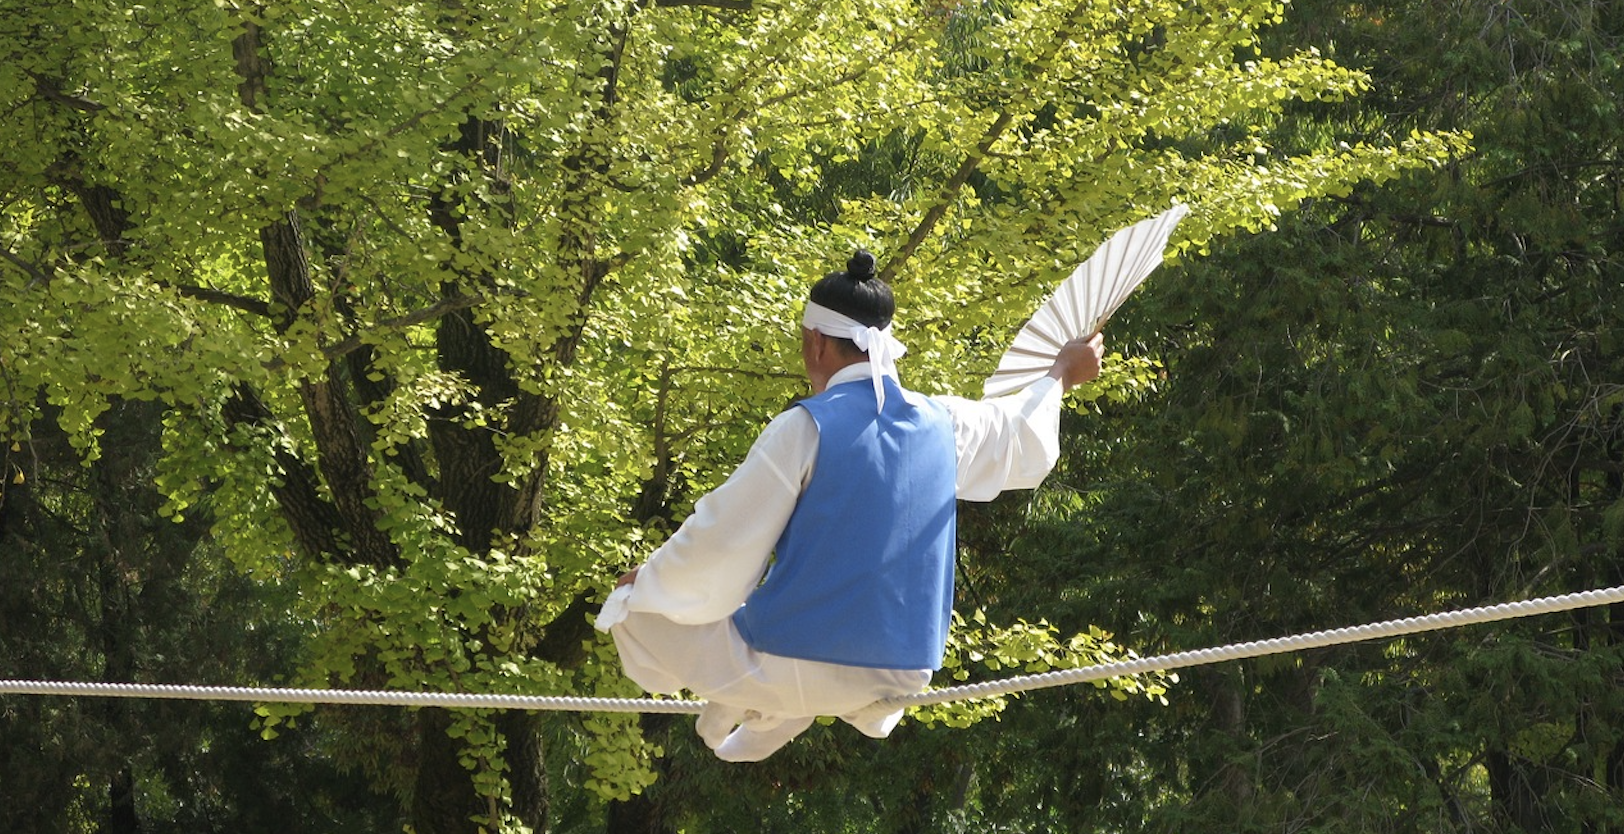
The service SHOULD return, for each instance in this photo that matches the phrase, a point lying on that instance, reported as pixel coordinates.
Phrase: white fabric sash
(615, 609)
(883, 348)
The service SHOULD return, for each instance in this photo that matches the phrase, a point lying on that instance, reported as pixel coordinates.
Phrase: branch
(356, 341)
(927, 224)
(39, 275)
(313, 520)
(1555, 167)
(563, 640)
(450, 304)
(213, 296)
(719, 155)
(1038, 67)
(730, 5)
(719, 150)
(844, 78)
(713, 369)
(51, 90)
(1424, 220)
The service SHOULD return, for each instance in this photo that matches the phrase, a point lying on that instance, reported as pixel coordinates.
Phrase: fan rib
(1093, 292)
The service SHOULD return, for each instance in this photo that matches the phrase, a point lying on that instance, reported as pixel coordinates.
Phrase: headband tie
(882, 348)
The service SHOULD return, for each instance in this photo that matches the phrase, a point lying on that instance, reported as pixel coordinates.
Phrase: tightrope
(1259, 648)
(1006, 686)
(352, 697)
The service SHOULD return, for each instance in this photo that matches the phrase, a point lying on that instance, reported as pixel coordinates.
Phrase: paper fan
(1085, 301)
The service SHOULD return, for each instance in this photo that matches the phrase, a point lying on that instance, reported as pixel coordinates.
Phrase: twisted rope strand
(352, 697)
(1259, 648)
(1006, 686)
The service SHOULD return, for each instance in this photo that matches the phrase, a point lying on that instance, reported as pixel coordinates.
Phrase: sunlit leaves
(572, 239)
(977, 649)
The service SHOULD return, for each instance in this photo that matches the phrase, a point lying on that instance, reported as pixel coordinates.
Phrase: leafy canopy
(453, 310)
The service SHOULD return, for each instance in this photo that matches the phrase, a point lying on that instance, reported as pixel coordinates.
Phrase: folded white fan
(1085, 301)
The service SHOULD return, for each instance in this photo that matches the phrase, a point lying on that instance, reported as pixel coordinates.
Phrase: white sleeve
(707, 568)
(1006, 442)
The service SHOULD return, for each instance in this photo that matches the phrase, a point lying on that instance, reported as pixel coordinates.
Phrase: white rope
(1007, 686)
(352, 697)
(1258, 648)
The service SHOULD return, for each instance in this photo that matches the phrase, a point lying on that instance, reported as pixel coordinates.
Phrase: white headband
(883, 349)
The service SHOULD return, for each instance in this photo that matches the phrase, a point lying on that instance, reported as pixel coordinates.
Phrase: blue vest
(863, 573)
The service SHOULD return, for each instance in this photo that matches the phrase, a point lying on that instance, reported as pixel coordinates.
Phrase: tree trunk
(1515, 793)
(640, 814)
(1233, 780)
(527, 772)
(128, 444)
(122, 817)
(444, 800)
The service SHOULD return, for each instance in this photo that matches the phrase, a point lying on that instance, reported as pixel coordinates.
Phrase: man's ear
(818, 344)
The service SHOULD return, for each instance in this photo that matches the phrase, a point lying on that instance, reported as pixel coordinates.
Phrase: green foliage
(619, 757)
(1393, 404)
(1027, 649)
(451, 312)
(94, 587)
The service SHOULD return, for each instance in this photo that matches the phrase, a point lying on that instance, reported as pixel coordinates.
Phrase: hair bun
(861, 266)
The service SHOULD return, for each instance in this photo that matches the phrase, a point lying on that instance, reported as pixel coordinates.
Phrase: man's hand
(1079, 361)
(627, 578)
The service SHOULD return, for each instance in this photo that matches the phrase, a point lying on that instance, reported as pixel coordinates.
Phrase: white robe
(672, 626)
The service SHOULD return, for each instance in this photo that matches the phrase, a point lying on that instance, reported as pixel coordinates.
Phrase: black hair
(857, 293)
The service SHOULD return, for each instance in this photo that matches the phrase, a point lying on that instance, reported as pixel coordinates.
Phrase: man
(849, 497)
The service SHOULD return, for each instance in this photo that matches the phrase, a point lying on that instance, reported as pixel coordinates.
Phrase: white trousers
(769, 699)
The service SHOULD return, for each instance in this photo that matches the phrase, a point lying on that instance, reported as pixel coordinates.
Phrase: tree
(449, 310)
(96, 587)
(1399, 402)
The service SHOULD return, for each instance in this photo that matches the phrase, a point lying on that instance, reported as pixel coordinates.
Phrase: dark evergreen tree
(96, 586)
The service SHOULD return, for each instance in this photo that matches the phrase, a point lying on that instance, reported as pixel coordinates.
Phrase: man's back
(863, 572)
